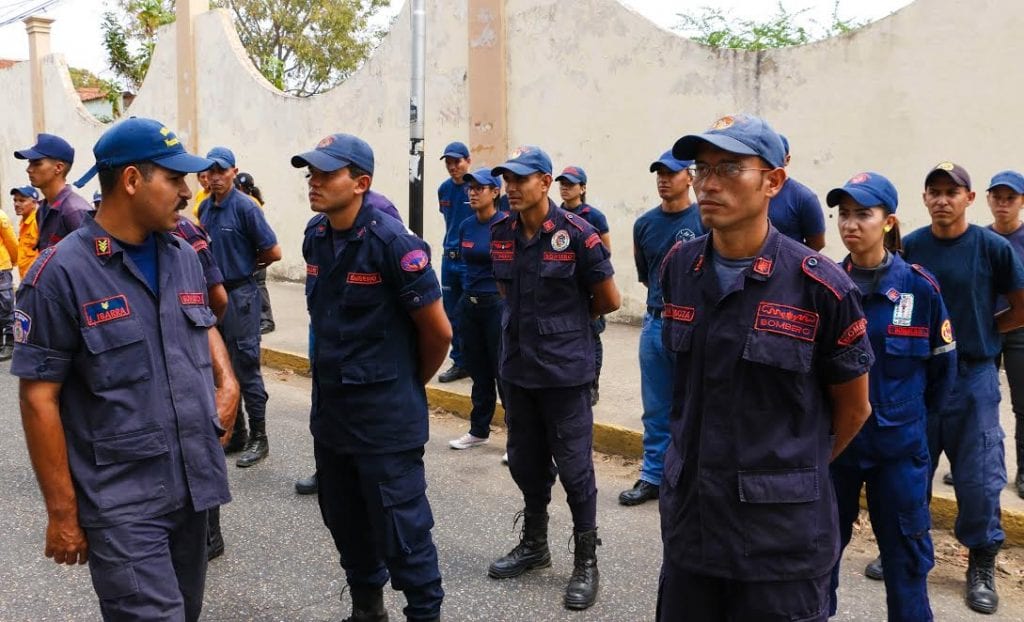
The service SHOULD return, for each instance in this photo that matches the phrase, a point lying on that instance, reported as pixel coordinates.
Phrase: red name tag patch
(785, 320)
(679, 314)
(553, 256)
(363, 278)
(908, 331)
(192, 298)
(200, 245)
(312, 270)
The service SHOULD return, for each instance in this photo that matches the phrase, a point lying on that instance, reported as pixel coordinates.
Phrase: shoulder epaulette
(573, 219)
(32, 276)
(918, 268)
(825, 272)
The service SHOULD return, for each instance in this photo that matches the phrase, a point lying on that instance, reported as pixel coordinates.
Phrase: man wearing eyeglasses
(770, 384)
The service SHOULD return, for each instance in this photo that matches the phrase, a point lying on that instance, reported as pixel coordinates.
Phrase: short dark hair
(110, 176)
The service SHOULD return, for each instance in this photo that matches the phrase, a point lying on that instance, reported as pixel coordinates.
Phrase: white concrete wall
(600, 86)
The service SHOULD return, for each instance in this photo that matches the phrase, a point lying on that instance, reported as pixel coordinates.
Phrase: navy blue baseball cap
(670, 162)
(483, 177)
(525, 160)
(785, 143)
(954, 171)
(455, 150)
(336, 152)
(222, 157)
(573, 175)
(48, 146)
(867, 189)
(26, 191)
(742, 134)
(1011, 179)
(137, 140)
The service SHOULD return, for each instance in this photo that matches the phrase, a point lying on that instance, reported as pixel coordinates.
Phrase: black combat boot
(258, 447)
(874, 569)
(581, 592)
(367, 605)
(981, 579)
(531, 552)
(239, 436)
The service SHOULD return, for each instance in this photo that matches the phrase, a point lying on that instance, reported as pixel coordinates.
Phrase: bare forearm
(850, 409)
(432, 350)
(1010, 319)
(226, 389)
(44, 437)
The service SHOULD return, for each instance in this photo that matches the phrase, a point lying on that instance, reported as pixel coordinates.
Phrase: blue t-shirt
(475, 244)
(654, 233)
(796, 212)
(1016, 240)
(973, 270)
(453, 202)
(238, 231)
(144, 257)
(591, 214)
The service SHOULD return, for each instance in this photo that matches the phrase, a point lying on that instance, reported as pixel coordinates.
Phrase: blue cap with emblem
(483, 177)
(525, 160)
(26, 191)
(48, 146)
(573, 175)
(335, 152)
(742, 134)
(867, 189)
(1011, 179)
(222, 157)
(669, 161)
(455, 150)
(137, 140)
(954, 171)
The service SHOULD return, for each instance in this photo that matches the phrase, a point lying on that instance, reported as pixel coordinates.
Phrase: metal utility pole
(416, 102)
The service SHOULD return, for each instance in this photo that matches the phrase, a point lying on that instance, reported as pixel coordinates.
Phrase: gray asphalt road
(280, 563)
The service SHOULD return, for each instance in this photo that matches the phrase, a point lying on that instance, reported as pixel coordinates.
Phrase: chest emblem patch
(560, 241)
(684, 235)
(414, 261)
(903, 312)
(106, 310)
(786, 320)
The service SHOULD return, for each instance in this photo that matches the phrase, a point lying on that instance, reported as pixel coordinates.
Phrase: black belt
(483, 299)
(655, 313)
(452, 254)
(234, 284)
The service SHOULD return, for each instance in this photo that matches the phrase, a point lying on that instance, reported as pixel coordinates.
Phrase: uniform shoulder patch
(22, 326)
(927, 276)
(415, 261)
(825, 272)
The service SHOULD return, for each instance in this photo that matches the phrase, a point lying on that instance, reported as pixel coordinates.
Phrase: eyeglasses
(725, 170)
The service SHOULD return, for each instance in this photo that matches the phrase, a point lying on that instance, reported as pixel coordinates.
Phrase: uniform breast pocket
(363, 296)
(676, 336)
(502, 270)
(779, 351)
(198, 321)
(557, 287)
(904, 355)
(118, 354)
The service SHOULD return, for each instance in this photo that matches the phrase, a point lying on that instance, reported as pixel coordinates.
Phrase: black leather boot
(531, 552)
(367, 605)
(874, 569)
(214, 538)
(239, 436)
(257, 448)
(981, 579)
(583, 586)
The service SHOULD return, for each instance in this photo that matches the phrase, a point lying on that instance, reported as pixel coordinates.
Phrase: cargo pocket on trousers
(114, 583)
(915, 525)
(406, 509)
(994, 472)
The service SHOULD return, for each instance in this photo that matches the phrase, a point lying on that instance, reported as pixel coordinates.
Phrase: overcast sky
(76, 31)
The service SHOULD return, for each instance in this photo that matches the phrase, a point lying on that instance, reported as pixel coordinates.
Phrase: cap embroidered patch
(945, 166)
(22, 326)
(106, 310)
(859, 179)
(853, 332)
(325, 142)
(947, 331)
(786, 320)
(363, 278)
(908, 331)
(192, 298)
(679, 314)
(415, 261)
(560, 241)
(723, 123)
(550, 256)
(102, 246)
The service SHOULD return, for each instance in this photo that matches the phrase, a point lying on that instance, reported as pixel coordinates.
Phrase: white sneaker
(504, 459)
(467, 441)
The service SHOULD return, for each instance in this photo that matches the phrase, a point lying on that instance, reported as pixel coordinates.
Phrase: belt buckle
(474, 300)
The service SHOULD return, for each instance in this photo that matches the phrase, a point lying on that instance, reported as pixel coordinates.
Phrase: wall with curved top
(598, 85)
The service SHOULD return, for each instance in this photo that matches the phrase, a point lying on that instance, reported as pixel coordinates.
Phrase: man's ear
(774, 180)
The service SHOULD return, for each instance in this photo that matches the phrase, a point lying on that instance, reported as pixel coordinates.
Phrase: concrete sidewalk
(617, 428)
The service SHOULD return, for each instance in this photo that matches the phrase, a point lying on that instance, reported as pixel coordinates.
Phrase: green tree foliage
(303, 47)
(715, 28)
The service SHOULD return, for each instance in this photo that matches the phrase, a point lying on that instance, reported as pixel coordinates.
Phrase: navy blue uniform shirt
(137, 395)
(796, 212)
(747, 493)
(546, 339)
(200, 243)
(367, 394)
(453, 202)
(238, 230)
(654, 233)
(591, 214)
(973, 270)
(56, 220)
(475, 247)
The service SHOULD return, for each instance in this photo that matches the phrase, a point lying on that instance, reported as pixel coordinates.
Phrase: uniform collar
(893, 279)
(763, 265)
(58, 200)
(228, 198)
(31, 218)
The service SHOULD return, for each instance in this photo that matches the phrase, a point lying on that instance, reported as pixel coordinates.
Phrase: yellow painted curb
(615, 439)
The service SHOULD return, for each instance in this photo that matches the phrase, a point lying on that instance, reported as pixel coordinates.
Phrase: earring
(887, 228)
